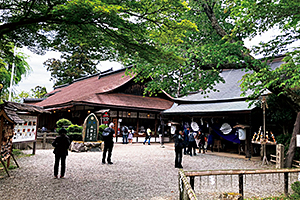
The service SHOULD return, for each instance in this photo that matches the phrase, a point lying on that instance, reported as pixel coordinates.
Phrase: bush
(285, 140)
(296, 188)
(101, 129)
(63, 123)
(74, 128)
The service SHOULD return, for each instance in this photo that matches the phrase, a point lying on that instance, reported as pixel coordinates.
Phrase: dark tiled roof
(21, 107)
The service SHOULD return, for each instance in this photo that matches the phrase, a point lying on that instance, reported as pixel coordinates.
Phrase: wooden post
(33, 148)
(241, 186)
(286, 183)
(192, 181)
(279, 156)
(44, 140)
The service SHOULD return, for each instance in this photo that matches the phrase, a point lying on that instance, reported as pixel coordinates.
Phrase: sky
(39, 76)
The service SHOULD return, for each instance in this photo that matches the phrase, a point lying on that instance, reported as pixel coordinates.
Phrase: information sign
(27, 130)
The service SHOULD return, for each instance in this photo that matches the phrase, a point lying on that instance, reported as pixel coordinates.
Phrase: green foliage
(77, 61)
(8, 58)
(114, 30)
(39, 92)
(296, 188)
(63, 123)
(74, 128)
(101, 129)
(285, 140)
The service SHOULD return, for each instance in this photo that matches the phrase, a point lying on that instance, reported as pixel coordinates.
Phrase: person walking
(192, 143)
(125, 134)
(109, 133)
(148, 136)
(179, 143)
(186, 140)
(61, 145)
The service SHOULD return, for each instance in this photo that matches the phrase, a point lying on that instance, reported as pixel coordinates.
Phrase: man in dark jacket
(108, 143)
(61, 144)
(179, 144)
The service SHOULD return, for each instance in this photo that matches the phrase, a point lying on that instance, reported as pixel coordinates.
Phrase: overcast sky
(40, 77)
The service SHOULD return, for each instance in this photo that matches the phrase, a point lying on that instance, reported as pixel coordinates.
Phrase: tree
(76, 62)
(114, 29)
(8, 58)
(223, 25)
(39, 92)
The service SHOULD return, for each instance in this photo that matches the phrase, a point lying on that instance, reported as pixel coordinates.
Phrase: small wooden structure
(14, 115)
(8, 119)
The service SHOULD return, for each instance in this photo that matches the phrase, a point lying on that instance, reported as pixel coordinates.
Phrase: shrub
(74, 128)
(63, 123)
(101, 129)
(296, 188)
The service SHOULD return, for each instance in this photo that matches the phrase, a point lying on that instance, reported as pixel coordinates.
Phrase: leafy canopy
(109, 27)
(219, 44)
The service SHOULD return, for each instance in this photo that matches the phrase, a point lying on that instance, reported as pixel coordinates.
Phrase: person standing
(186, 140)
(125, 134)
(108, 143)
(148, 136)
(201, 141)
(179, 143)
(192, 143)
(61, 145)
(130, 136)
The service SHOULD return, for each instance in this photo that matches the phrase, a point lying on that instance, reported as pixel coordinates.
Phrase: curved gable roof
(85, 88)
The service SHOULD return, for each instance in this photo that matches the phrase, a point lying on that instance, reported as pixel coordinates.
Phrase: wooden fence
(187, 189)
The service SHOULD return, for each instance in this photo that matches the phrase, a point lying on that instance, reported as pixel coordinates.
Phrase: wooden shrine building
(112, 96)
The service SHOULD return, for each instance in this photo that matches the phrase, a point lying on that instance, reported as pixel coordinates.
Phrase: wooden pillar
(286, 183)
(192, 181)
(137, 125)
(248, 139)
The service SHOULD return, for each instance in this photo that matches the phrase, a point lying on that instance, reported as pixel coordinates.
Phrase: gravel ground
(139, 172)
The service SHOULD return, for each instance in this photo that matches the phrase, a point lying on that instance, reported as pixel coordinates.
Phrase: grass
(18, 154)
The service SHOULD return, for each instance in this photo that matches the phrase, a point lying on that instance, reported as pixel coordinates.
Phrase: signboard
(298, 140)
(105, 118)
(27, 131)
(90, 128)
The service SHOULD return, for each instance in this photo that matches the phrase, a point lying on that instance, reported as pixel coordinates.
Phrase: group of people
(188, 141)
(127, 135)
(183, 141)
(62, 142)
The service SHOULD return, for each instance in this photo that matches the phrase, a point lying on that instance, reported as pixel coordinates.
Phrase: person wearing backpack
(192, 143)
(148, 136)
(125, 134)
(108, 135)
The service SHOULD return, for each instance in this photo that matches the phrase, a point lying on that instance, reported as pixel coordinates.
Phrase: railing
(187, 190)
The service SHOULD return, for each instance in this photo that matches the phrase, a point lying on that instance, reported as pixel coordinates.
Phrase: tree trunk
(291, 152)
